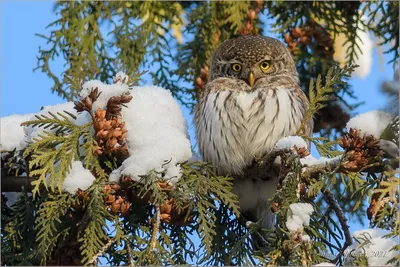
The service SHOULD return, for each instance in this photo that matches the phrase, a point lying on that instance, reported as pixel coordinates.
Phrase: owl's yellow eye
(264, 66)
(236, 67)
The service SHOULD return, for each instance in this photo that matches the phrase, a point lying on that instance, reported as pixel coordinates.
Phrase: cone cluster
(86, 103)
(360, 151)
(311, 33)
(169, 212)
(110, 133)
(116, 200)
(115, 104)
(201, 80)
(249, 26)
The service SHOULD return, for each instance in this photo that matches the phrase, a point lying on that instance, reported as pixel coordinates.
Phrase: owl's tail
(255, 209)
(261, 230)
(260, 237)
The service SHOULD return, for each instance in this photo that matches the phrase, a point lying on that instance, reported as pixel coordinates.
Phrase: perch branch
(156, 227)
(330, 198)
(264, 169)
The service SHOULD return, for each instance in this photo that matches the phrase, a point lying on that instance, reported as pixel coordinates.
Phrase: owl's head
(252, 58)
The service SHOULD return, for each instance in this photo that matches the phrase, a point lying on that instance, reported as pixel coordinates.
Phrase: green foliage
(18, 235)
(319, 94)
(383, 20)
(93, 234)
(52, 153)
(49, 225)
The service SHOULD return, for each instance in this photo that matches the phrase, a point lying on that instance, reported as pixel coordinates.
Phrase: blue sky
(25, 91)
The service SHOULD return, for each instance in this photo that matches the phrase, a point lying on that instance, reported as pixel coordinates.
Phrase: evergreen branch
(48, 223)
(101, 251)
(94, 237)
(330, 198)
(63, 124)
(319, 94)
(18, 235)
(53, 155)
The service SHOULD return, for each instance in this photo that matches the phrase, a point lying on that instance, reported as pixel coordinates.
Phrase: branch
(102, 250)
(11, 183)
(320, 168)
(156, 227)
(330, 198)
(129, 251)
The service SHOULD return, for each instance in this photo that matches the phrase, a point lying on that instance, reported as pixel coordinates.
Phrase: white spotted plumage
(255, 122)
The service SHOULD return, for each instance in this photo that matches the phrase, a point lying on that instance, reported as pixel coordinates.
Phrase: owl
(251, 100)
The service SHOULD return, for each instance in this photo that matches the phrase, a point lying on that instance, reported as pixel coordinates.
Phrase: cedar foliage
(175, 39)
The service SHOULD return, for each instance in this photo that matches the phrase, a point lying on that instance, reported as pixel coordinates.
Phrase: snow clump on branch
(371, 123)
(298, 216)
(78, 177)
(12, 133)
(157, 135)
(291, 141)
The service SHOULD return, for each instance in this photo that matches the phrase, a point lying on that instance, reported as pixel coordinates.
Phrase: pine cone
(86, 103)
(202, 80)
(114, 105)
(171, 215)
(311, 32)
(360, 151)
(110, 134)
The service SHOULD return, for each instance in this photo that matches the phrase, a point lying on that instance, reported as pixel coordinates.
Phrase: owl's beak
(251, 79)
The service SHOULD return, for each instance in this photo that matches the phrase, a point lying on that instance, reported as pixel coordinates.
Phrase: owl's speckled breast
(233, 127)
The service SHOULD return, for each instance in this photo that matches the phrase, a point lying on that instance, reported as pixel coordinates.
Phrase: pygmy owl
(252, 100)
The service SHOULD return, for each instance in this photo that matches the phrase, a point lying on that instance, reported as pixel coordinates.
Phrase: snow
(310, 160)
(371, 123)
(290, 141)
(298, 216)
(78, 177)
(377, 249)
(306, 238)
(157, 133)
(325, 264)
(121, 78)
(12, 132)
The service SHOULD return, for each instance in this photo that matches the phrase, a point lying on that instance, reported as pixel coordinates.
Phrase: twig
(156, 227)
(129, 250)
(330, 198)
(320, 168)
(102, 250)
